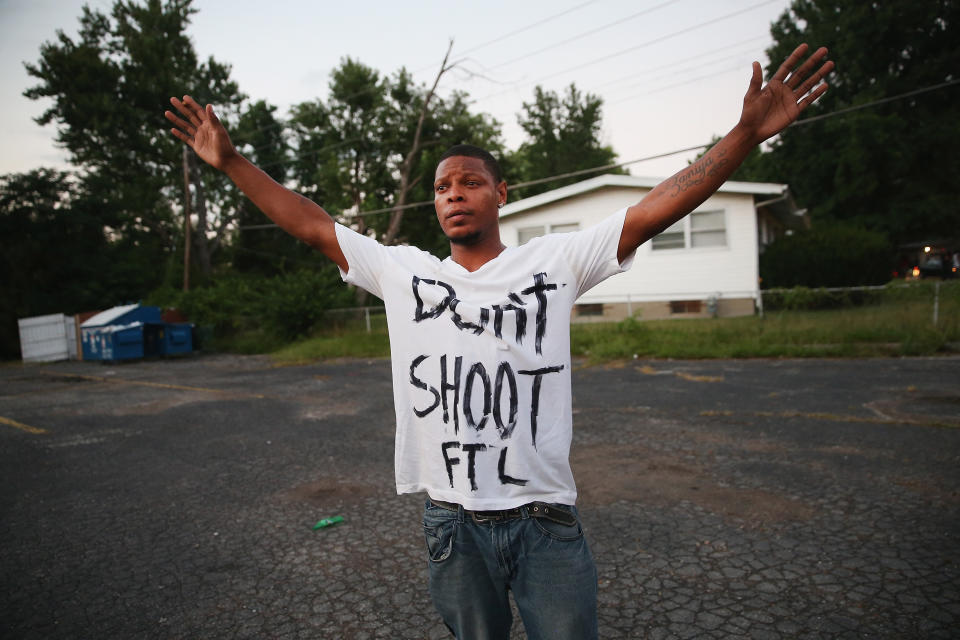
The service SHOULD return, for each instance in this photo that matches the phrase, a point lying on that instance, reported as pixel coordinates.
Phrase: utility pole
(186, 218)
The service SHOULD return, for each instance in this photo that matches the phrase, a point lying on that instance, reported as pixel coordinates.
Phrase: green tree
(891, 167)
(59, 257)
(563, 135)
(107, 87)
(351, 149)
(342, 162)
(448, 121)
(262, 137)
(828, 255)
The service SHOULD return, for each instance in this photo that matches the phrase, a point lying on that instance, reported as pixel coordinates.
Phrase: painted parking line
(21, 426)
(647, 370)
(159, 385)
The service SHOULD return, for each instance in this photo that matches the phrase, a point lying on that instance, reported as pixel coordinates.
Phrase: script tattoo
(697, 173)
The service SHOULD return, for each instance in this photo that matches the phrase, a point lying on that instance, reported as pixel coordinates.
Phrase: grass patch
(882, 330)
(250, 342)
(339, 344)
(899, 325)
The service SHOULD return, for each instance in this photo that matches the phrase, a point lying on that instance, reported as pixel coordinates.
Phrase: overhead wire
(655, 90)
(618, 53)
(524, 28)
(583, 34)
(675, 63)
(629, 49)
(571, 174)
(461, 53)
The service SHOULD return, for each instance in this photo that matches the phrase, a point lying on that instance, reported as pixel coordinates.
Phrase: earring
(499, 205)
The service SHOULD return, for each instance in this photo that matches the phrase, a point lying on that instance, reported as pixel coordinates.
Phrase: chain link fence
(940, 300)
(942, 297)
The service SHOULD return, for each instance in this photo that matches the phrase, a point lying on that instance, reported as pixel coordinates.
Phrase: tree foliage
(262, 137)
(563, 135)
(59, 256)
(890, 167)
(827, 255)
(349, 148)
(107, 88)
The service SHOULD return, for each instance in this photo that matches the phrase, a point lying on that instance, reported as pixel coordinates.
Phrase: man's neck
(472, 257)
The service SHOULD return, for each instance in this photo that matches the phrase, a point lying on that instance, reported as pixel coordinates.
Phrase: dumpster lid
(108, 316)
(115, 328)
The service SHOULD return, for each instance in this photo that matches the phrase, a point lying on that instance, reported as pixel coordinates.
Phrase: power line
(525, 28)
(575, 37)
(634, 75)
(583, 34)
(632, 48)
(571, 174)
(532, 25)
(424, 203)
(874, 103)
(650, 92)
(693, 58)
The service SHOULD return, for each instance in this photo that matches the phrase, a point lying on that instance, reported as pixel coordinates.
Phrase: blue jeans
(546, 565)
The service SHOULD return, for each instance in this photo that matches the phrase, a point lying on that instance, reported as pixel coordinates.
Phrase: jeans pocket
(439, 529)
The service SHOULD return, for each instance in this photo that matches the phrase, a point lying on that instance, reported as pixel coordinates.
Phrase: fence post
(936, 303)
(366, 312)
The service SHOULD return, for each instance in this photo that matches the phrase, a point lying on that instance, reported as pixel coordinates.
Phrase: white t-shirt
(481, 362)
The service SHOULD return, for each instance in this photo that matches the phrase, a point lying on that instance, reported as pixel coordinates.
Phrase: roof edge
(637, 182)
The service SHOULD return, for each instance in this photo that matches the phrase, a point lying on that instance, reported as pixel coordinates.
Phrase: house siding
(729, 274)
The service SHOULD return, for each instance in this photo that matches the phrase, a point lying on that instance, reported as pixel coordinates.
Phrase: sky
(672, 73)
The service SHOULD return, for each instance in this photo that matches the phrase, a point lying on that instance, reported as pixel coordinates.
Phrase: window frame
(671, 235)
(547, 229)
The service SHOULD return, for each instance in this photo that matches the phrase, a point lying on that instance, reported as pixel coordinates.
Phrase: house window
(685, 306)
(707, 229)
(671, 238)
(589, 309)
(526, 234)
(699, 229)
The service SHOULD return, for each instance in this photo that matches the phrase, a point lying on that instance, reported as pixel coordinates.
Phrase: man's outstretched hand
(202, 131)
(769, 110)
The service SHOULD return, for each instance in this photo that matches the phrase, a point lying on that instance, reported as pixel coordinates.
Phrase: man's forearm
(295, 214)
(689, 188)
(684, 191)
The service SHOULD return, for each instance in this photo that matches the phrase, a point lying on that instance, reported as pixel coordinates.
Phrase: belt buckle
(479, 516)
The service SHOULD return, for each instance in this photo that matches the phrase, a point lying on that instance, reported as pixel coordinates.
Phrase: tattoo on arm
(707, 166)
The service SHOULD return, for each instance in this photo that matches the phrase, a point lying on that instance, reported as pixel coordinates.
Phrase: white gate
(48, 338)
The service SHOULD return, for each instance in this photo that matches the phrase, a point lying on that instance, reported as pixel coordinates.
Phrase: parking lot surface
(722, 499)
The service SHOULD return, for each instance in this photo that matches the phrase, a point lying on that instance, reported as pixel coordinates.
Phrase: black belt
(534, 510)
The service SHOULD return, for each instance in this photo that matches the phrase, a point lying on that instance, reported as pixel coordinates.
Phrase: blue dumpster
(172, 338)
(133, 331)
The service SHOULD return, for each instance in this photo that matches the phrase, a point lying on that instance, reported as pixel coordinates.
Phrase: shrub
(277, 308)
(829, 255)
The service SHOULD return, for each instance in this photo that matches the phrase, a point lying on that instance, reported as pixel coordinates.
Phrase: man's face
(466, 198)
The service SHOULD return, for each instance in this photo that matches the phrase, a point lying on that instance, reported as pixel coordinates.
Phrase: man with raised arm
(480, 351)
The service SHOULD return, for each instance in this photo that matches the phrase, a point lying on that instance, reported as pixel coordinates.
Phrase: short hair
(471, 151)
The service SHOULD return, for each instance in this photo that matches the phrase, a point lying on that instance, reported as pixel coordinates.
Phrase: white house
(706, 264)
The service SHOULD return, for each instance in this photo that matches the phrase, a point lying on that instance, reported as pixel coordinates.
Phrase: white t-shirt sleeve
(365, 260)
(592, 253)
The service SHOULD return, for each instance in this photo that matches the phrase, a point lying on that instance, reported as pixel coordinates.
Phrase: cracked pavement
(722, 499)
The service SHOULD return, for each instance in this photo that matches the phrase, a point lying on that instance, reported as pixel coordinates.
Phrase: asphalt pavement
(722, 499)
